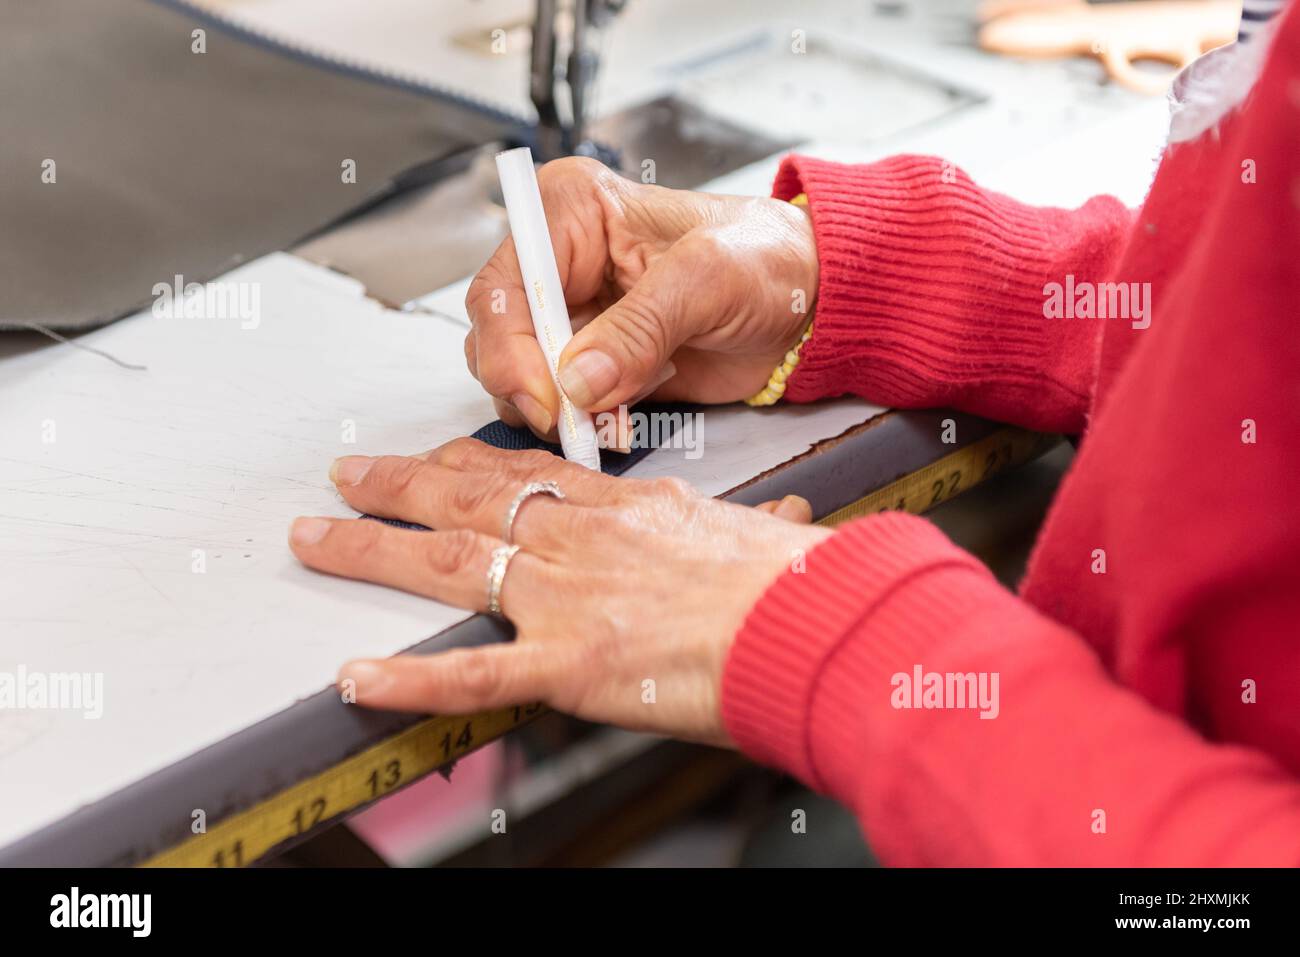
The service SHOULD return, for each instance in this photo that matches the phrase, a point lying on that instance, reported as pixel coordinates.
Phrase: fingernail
(794, 507)
(350, 469)
(588, 376)
(623, 435)
(533, 411)
(368, 679)
(308, 531)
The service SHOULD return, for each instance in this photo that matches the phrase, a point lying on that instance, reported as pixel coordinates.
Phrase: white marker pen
(545, 294)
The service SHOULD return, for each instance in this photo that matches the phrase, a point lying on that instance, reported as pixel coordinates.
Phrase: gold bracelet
(775, 387)
(771, 393)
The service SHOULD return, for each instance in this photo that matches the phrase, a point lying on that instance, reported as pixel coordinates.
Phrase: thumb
(626, 351)
(793, 508)
(453, 682)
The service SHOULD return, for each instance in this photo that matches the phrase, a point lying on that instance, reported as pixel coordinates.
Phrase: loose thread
(37, 327)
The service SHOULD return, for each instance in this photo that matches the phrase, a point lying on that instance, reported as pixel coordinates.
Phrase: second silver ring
(527, 492)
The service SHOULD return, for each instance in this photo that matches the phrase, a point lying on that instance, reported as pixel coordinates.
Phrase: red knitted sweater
(1148, 675)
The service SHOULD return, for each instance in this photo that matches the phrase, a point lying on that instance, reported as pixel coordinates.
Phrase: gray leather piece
(173, 162)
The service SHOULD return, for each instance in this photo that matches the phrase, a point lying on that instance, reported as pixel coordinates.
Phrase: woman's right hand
(679, 296)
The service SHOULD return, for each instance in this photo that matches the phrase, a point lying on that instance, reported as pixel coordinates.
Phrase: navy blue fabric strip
(503, 436)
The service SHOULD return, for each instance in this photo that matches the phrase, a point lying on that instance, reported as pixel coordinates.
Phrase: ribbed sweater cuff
(932, 290)
(786, 655)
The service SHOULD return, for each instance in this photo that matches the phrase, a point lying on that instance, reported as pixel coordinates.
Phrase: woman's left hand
(625, 596)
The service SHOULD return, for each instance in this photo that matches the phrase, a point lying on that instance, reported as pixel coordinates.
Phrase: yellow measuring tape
(435, 743)
(951, 475)
(244, 837)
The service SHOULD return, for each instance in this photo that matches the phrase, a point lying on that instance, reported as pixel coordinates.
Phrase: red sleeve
(932, 291)
(810, 687)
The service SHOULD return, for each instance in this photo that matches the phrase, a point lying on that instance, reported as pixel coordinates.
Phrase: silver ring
(527, 492)
(497, 575)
